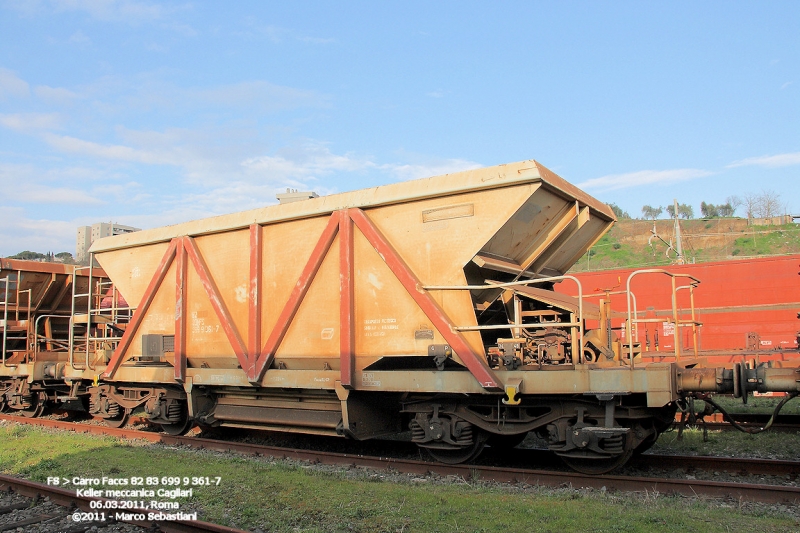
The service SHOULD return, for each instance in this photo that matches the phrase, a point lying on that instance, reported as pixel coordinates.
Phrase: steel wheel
(455, 456)
(120, 420)
(646, 444)
(179, 428)
(38, 401)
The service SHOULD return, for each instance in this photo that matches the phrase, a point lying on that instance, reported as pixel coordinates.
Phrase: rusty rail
(552, 478)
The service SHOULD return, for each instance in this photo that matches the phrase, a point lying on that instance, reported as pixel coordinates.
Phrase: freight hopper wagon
(424, 306)
(48, 331)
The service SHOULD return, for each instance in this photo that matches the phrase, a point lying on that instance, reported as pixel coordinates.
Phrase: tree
(708, 210)
(750, 204)
(618, 212)
(652, 213)
(65, 257)
(725, 210)
(735, 202)
(764, 205)
(685, 211)
(769, 204)
(29, 256)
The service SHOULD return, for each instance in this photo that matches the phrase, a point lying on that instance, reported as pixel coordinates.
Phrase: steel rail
(67, 498)
(689, 487)
(773, 467)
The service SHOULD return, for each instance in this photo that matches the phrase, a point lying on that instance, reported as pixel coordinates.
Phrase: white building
(88, 234)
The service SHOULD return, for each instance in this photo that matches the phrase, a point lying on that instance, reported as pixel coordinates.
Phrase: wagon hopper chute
(424, 305)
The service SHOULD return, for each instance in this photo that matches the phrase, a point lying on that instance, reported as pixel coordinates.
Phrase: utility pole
(679, 248)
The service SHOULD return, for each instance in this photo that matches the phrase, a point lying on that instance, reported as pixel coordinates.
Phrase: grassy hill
(631, 243)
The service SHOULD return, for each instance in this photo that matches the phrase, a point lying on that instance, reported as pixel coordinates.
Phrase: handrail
(89, 312)
(5, 318)
(36, 333)
(5, 315)
(94, 291)
(72, 320)
(632, 312)
(691, 287)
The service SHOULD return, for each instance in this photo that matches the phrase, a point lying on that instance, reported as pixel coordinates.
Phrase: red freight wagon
(747, 307)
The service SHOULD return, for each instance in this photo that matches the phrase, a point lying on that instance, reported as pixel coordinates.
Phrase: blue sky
(153, 113)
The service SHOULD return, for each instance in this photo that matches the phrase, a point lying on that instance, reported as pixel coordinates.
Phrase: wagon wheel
(454, 456)
(120, 420)
(38, 401)
(646, 444)
(595, 466)
(179, 428)
(663, 419)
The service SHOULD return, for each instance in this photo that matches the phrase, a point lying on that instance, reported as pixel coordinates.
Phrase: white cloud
(216, 159)
(148, 93)
(54, 195)
(277, 34)
(415, 171)
(769, 161)
(18, 233)
(207, 162)
(643, 177)
(12, 85)
(31, 121)
(158, 48)
(31, 185)
(54, 95)
(310, 160)
(79, 38)
(259, 95)
(132, 12)
(786, 85)
(117, 152)
(115, 10)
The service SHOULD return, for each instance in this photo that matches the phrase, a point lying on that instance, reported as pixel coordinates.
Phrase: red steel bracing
(217, 303)
(183, 247)
(347, 333)
(295, 299)
(475, 362)
(147, 299)
(180, 313)
(255, 363)
(254, 316)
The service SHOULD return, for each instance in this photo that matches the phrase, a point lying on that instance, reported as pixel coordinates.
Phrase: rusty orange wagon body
(424, 305)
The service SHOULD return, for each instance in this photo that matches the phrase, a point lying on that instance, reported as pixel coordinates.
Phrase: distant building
(88, 234)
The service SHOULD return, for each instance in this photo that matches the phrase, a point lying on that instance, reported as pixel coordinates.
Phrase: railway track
(765, 493)
(48, 509)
